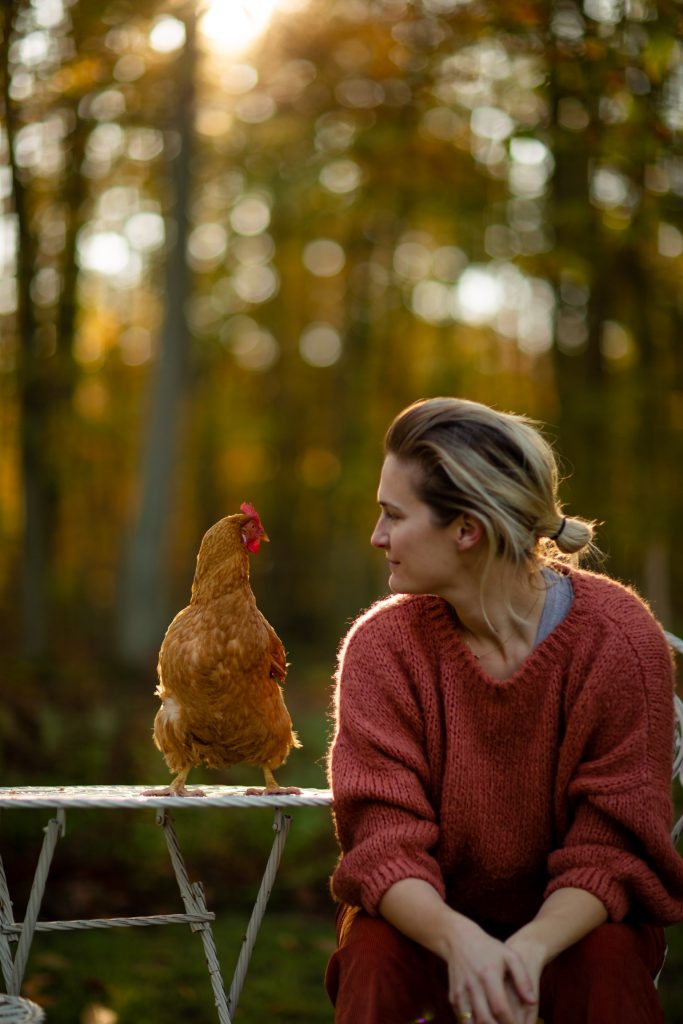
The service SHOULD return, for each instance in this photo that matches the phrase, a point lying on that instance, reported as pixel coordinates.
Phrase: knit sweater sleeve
(379, 774)
(616, 763)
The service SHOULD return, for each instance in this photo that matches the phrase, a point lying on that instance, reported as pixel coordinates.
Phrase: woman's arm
(614, 777)
(379, 771)
(486, 977)
(565, 917)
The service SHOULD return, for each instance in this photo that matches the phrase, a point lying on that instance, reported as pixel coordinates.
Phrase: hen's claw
(276, 791)
(181, 791)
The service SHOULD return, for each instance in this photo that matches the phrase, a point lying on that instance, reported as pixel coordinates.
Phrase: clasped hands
(493, 982)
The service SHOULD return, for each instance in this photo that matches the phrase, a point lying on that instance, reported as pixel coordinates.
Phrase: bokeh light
(320, 344)
(232, 26)
(167, 34)
(324, 257)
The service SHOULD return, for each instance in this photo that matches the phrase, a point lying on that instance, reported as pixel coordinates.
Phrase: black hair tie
(557, 535)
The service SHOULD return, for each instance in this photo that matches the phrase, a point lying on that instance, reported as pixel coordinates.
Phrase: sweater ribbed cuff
(376, 884)
(599, 883)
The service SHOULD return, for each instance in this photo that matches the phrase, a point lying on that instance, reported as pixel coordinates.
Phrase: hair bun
(572, 535)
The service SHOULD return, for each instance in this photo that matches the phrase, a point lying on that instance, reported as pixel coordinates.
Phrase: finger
(524, 1013)
(490, 1004)
(530, 1015)
(521, 978)
(503, 1004)
(462, 1005)
(481, 1011)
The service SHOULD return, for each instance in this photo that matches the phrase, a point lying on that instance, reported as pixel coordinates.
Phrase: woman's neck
(499, 612)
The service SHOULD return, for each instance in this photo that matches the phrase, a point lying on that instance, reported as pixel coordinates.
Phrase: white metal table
(196, 915)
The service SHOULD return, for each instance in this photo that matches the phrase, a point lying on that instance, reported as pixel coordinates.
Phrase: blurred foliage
(224, 270)
(384, 200)
(160, 975)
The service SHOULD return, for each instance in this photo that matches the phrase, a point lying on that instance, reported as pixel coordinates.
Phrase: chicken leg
(177, 787)
(272, 787)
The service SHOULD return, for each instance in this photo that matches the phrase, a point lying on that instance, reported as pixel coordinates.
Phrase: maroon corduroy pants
(378, 976)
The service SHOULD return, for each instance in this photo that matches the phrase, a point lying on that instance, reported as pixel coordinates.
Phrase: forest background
(236, 238)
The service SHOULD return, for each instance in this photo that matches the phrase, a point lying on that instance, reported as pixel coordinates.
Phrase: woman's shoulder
(610, 597)
(616, 613)
(397, 609)
(391, 617)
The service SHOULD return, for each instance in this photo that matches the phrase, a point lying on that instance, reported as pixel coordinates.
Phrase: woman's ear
(468, 531)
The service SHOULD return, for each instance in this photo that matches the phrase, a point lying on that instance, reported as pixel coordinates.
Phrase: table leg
(281, 828)
(53, 831)
(193, 897)
(6, 918)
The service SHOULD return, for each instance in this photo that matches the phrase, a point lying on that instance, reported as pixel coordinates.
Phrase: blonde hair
(498, 467)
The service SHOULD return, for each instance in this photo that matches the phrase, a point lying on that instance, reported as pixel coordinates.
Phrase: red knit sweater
(499, 792)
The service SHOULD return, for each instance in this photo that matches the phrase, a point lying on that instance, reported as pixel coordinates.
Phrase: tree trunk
(143, 611)
(37, 478)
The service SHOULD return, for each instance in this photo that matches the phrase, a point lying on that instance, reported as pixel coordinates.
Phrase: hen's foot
(170, 791)
(274, 791)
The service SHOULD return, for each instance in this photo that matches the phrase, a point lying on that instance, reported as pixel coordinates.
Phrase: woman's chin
(396, 586)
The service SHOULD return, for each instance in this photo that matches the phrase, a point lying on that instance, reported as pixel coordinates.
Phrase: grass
(155, 975)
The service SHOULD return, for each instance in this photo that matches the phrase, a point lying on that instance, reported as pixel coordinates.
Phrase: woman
(501, 764)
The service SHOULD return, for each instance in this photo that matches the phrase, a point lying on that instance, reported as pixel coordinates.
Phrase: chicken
(220, 668)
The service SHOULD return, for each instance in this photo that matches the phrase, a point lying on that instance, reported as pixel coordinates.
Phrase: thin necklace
(494, 650)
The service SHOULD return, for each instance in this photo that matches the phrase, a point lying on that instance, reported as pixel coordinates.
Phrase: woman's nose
(379, 535)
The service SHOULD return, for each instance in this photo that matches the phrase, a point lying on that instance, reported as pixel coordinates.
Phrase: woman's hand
(534, 956)
(565, 917)
(489, 981)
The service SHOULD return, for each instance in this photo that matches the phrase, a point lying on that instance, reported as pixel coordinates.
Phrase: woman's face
(423, 556)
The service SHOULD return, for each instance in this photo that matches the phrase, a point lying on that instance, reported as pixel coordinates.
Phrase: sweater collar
(556, 647)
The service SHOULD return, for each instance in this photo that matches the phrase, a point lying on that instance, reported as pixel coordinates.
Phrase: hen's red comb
(250, 511)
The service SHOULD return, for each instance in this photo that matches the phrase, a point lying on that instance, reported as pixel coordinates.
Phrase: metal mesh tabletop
(133, 796)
